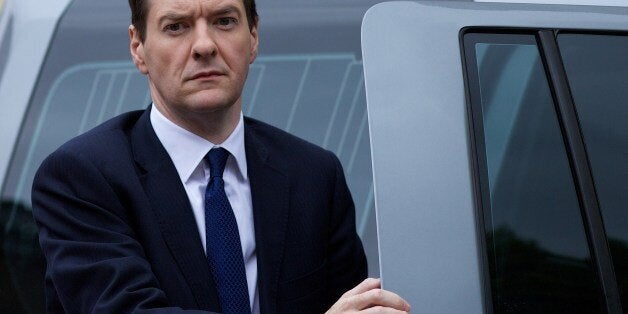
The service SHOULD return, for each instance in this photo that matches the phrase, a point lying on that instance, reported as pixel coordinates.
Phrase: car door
(499, 155)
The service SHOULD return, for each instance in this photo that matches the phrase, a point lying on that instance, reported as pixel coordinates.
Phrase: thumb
(366, 285)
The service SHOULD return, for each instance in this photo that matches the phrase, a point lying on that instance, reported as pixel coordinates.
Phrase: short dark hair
(139, 11)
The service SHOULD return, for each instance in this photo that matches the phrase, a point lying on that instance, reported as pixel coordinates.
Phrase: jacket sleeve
(94, 262)
(347, 261)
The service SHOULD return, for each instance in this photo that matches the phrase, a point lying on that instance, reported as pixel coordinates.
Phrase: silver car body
(420, 141)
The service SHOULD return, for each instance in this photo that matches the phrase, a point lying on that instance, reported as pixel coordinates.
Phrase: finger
(379, 297)
(366, 285)
(381, 309)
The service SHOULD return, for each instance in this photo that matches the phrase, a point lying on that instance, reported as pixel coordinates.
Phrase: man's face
(196, 54)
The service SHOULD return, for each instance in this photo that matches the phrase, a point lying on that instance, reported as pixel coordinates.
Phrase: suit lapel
(270, 195)
(172, 209)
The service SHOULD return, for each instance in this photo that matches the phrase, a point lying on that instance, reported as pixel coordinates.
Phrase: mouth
(206, 75)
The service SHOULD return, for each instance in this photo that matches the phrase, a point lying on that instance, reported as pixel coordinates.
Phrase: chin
(211, 103)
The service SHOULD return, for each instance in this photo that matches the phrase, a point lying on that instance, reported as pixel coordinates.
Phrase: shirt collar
(187, 149)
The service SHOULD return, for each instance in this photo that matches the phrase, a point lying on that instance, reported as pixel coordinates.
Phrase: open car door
(500, 156)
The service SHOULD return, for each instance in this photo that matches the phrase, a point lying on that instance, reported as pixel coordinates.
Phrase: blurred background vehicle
(65, 67)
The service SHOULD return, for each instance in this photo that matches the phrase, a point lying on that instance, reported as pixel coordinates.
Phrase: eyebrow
(176, 16)
(226, 10)
(172, 16)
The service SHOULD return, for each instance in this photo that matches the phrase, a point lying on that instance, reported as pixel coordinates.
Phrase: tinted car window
(539, 258)
(597, 70)
(307, 80)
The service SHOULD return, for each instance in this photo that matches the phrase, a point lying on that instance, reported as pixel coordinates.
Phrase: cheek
(241, 59)
(237, 52)
(167, 58)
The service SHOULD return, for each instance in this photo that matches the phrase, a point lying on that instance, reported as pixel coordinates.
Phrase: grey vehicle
(65, 67)
(500, 155)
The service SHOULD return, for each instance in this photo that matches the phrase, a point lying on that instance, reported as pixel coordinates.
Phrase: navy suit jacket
(118, 233)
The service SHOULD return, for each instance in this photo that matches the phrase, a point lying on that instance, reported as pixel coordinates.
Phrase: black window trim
(479, 162)
(580, 167)
(574, 146)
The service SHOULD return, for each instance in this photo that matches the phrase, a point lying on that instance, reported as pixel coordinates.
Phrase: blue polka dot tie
(224, 251)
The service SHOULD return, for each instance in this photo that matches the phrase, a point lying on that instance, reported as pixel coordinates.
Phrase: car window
(597, 70)
(538, 254)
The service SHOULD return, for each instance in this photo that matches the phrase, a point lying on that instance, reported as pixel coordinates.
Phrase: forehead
(158, 8)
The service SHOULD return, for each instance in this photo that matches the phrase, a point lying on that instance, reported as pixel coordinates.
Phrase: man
(190, 206)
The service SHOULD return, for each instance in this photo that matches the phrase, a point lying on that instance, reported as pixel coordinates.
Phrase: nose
(204, 45)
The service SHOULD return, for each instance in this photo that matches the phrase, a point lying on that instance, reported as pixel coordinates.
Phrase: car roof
(619, 3)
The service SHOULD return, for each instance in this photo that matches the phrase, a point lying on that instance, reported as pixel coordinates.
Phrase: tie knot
(217, 159)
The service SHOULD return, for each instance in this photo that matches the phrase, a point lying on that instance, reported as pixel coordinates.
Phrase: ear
(254, 42)
(137, 49)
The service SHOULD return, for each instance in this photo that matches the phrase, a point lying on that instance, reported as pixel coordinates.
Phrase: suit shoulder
(292, 150)
(283, 141)
(110, 138)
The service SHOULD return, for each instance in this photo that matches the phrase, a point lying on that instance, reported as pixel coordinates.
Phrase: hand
(368, 297)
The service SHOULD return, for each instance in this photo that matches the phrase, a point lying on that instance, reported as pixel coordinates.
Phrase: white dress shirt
(187, 151)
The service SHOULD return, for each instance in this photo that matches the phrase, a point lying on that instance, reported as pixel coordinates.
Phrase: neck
(214, 126)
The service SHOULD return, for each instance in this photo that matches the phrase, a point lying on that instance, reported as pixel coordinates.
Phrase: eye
(227, 22)
(174, 28)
